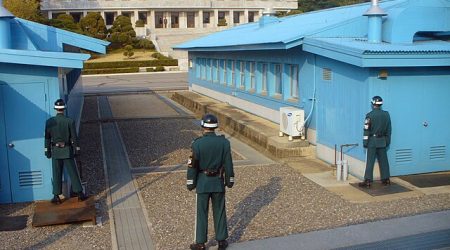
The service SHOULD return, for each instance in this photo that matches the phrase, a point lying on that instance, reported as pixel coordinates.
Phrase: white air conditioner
(291, 122)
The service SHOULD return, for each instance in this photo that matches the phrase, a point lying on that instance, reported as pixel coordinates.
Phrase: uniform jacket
(60, 129)
(210, 152)
(377, 129)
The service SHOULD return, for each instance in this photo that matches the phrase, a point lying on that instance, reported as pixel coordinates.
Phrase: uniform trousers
(219, 215)
(380, 154)
(57, 165)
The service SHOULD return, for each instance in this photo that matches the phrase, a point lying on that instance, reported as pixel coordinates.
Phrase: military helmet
(209, 121)
(60, 104)
(377, 100)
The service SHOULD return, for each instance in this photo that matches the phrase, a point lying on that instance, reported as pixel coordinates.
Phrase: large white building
(170, 22)
(170, 14)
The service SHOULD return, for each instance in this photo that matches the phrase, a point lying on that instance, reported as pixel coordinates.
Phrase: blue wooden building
(329, 64)
(38, 64)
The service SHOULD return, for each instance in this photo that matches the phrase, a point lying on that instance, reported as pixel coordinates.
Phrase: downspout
(5, 27)
(375, 15)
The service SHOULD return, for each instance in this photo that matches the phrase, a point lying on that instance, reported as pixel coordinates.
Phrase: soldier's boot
(386, 182)
(197, 246)
(365, 184)
(223, 244)
(82, 196)
(56, 200)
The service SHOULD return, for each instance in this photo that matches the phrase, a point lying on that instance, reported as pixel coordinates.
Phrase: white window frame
(242, 74)
(293, 78)
(278, 79)
(264, 76)
(252, 69)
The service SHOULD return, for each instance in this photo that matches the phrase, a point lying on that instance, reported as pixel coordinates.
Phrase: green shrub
(110, 71)
(128, 51)
(140, 23)
(160, 56)
(129, 64)
(222, 22)
(155, 69)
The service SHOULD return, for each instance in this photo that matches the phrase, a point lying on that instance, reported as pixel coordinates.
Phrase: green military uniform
(377, 136)
(60, 141)
(210, 170)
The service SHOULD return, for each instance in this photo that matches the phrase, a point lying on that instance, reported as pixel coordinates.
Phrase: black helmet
(60, 104)
(209, 121)
(377, 100)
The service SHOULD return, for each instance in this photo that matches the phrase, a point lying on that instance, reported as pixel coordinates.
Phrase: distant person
(377, 137)
(61, 144)
(210, 169)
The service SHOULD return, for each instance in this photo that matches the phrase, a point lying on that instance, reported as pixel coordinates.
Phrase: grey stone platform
(253, 130)
(130, 224)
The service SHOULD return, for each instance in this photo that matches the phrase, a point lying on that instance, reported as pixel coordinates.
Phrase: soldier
(210, 161)
(377, 137)
(60, 141)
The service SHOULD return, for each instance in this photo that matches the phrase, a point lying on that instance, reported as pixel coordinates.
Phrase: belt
(378, 136)
(210, 173)
(59, 144)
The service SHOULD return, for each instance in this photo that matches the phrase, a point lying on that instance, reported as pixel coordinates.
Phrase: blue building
(329, 64)
(37, 66)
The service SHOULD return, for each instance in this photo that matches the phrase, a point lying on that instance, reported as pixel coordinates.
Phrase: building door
(159, 19)
(420, 135)
(25, 110)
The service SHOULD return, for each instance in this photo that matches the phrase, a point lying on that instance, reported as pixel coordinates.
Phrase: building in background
(38, 65)
(328, 64)
(170, 22)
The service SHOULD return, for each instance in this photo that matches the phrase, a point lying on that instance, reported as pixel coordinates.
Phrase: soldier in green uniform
(377, 137)
(61, 144)
(210, 169)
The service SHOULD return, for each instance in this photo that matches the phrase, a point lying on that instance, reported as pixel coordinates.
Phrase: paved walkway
(131, 230)
(426, 231)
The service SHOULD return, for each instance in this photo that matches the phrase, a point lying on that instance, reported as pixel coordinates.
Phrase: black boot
(56, 200)
(82, 196)
(223, 244)
(365, 183)
(197, 246)
(386, 182)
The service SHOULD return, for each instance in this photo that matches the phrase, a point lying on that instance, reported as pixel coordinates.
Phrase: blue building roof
(38, 44)
(411, 27)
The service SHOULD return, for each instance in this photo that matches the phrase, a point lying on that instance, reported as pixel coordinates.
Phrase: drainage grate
(403, 155)
(437, 153)
(30, 178)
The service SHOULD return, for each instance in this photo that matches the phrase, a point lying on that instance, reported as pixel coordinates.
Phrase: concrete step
(258, 132)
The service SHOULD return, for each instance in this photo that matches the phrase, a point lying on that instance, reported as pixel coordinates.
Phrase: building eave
(43, 58)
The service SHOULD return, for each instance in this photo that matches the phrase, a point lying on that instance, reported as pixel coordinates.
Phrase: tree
(66, 22)
(93, 25)
(122, 31)
(26, 9)
(145, 44)
(128, 51)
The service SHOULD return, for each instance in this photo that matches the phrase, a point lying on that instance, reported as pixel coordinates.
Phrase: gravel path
(75, 235)
(266, 201)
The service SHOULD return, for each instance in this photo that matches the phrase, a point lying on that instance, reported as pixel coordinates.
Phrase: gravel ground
(75, 235)
(158, 142)
(266, 201)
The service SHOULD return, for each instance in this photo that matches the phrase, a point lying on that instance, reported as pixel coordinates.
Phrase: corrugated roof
(362, 46)
(287, 30)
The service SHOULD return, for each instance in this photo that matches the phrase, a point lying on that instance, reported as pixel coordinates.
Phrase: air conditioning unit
(292, 122)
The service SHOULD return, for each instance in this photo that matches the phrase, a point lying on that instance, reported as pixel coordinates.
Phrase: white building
(170, 14)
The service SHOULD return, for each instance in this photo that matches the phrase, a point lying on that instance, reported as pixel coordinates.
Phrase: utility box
(291, 122)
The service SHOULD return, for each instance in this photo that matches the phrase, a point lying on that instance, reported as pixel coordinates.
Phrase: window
(326, 74)
(233, 73)
(203, 73)
(197, 66)
(242, 74)
(236, 17)
(215, 67)
(251, 16)
(264, 73)
(252, 75)
(208, 69)
(191, 19)
(278, 81)
(143, 16)
(206, 16)
(109, 18)
(159, 22)
(223, 68)
(293, 77)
